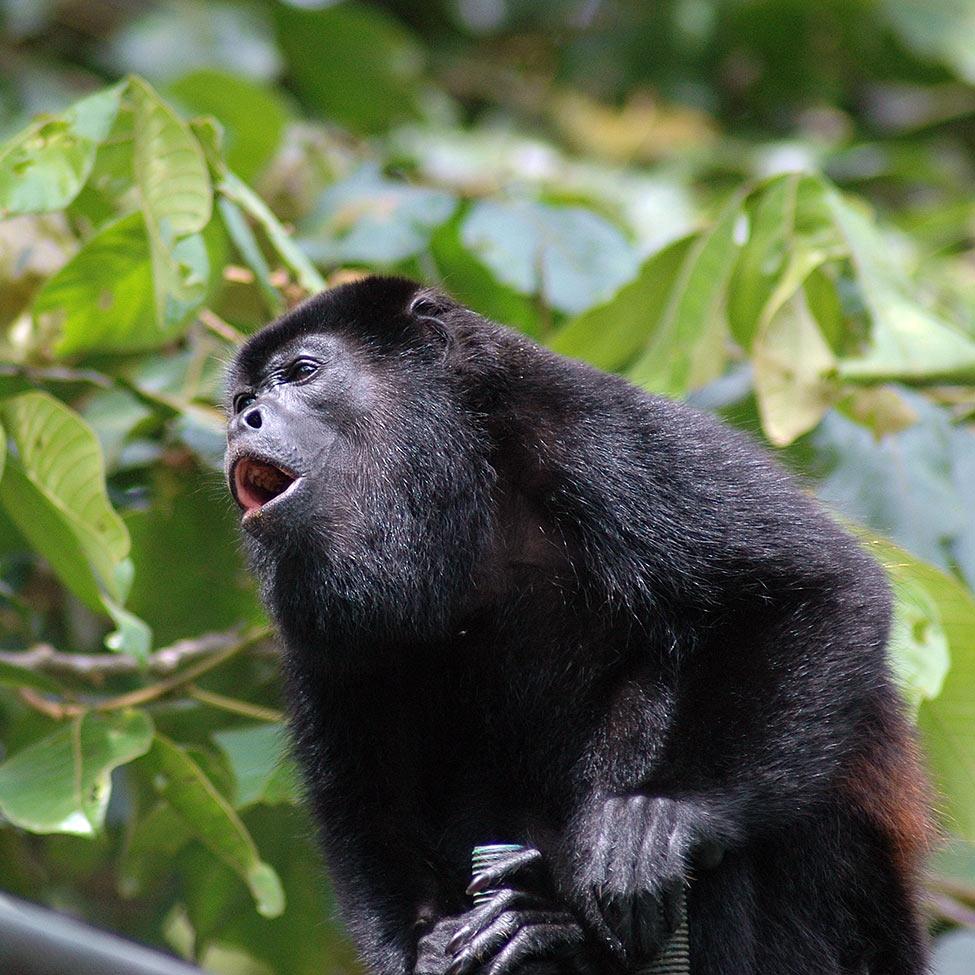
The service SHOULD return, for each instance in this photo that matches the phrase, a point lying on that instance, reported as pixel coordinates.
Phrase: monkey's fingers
(539, 942)
(506, 868)
(493, 939)
(480, 917)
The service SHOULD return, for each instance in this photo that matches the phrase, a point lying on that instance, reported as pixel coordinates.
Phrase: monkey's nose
(253, 419)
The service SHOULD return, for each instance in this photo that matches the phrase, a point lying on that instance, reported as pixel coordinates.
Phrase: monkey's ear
(429, 309)
(429, 304)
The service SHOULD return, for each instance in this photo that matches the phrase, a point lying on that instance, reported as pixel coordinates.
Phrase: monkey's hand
(627, 861)
(519, 928)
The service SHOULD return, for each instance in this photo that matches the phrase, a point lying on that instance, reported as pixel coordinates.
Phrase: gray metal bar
(37, 941)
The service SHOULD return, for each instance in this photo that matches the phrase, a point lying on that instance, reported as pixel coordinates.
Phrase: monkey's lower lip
(257, 483)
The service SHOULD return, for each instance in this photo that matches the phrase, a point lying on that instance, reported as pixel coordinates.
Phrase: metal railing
(37, 941)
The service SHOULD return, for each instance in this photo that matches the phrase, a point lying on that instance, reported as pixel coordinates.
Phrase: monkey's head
(358, 453)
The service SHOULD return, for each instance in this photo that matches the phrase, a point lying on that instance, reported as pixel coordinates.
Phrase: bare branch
(95, 667)
(56, 374)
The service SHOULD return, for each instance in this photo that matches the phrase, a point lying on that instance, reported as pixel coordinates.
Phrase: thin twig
(58, 710)
(222, 329)
(145, 694)
(232, 704)
(56, 374)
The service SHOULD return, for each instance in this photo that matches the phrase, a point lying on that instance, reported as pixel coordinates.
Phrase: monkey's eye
(300, 370)
(242, 401)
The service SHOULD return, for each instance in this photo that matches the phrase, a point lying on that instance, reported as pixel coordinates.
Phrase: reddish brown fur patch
(889, 785)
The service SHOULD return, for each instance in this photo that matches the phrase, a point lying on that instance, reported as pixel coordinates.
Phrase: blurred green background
(765, 206)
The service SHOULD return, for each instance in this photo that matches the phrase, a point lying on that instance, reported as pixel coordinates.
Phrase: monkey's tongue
(257, 482)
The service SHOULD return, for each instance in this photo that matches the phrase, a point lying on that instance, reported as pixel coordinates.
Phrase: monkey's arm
(769, 704)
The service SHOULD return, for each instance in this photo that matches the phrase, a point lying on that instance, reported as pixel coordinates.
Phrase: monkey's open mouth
(256, 482)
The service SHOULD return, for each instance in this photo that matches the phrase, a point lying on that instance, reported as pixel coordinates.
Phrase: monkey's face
(289, 433)
(362, 479)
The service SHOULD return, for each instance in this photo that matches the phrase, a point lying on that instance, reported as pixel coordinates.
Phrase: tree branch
(95, 667)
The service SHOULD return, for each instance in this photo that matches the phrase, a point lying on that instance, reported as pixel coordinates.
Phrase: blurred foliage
(765, 206)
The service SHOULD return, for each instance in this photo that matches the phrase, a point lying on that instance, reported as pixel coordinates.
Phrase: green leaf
(13, 676)
(790, 233)
(918, 648)
(904, 485)
(183, 784)
(104, 294)
(174, 188)
(170, 170)
(252, 115)
(946, 720)
(368, 219)
(290, 253)
(942, 29)
(907, 342)
(793, 366)
(150, 847)
(62, 783)
(235, 189)
(58, 490)
(612, 334)
(259, 759)
(686, 346)
(132, 635)
(54, 492)
(474, 285)
(354, 63)
(246, 243)
(45, 166)
(570, 256)
(201, 526)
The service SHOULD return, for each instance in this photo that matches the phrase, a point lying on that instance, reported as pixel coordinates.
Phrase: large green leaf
(184, 785)
(54, 491)
(570, 256)
(353, 62)
(104, 294)
(789, 233)
(259, 759)
(170, 169)
(62, 783)
(369, 219)
(793, 365)
(150, 847)
(45, 166)
(61, 484)
(612, 334)
(687, 341)
(907, 342)
(919, 650)
(948, 609)
(176, 195)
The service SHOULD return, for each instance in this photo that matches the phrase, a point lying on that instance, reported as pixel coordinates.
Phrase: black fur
(523, 601)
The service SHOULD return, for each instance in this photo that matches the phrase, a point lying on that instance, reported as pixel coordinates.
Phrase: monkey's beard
(375, 562)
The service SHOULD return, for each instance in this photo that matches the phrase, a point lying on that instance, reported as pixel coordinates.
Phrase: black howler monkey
(525, 602)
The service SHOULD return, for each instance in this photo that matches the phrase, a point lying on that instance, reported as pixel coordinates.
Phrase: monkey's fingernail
(456, 941)
(479, 883)
(455, 967)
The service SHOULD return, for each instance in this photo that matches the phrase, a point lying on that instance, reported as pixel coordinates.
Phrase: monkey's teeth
(259, 482)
